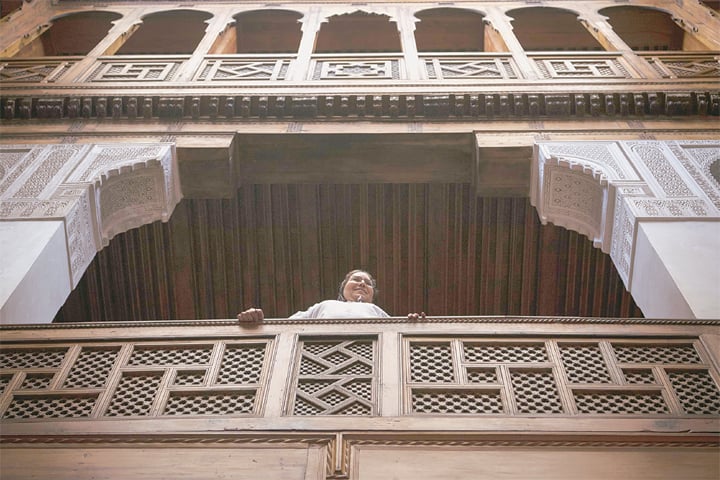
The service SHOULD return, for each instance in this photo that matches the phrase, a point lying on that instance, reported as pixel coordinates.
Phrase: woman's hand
(251, 315)
(413, 317)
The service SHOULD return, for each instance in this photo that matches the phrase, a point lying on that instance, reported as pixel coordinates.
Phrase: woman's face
(359, 288)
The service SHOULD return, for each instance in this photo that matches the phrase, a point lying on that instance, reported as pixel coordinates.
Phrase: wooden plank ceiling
(432, 247)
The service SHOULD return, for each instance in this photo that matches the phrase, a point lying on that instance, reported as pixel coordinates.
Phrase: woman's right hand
(251, 315)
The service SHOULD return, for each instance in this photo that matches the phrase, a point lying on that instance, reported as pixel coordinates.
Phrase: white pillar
(676, 272)
(34, 271)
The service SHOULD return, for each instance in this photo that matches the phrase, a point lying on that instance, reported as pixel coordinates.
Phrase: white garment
(338, 309)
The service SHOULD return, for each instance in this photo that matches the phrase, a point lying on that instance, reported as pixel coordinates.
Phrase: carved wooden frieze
(460, 105)
(601, 189)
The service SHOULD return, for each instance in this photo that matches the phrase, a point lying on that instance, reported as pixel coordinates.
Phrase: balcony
(451, 381)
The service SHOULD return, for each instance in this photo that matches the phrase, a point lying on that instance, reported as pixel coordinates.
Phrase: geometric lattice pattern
(697, 392)
(241, 364)
(335, 377)
(91, 369)
(439, 68)
(223, 403)
(134, 379)
(620, 403)
(458, 401)
(431, 363)
(559, 377)
(584, 364)
(49, 407)
(535, 392)
(604, 68)
(240, 69)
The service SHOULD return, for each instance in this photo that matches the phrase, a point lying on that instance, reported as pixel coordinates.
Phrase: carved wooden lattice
(563, 377)
(685, 66)
(140, 70)
(360, 69)
(132, 380)
(439, 68)
(335, 377)
(38, 71)
(573, 68)
(243, 69)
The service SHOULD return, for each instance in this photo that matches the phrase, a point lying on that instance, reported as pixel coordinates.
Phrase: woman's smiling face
(359, 287)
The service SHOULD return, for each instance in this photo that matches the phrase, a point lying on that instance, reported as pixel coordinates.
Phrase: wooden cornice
(357, 106)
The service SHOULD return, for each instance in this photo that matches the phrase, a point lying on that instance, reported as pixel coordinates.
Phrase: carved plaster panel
(603, 189)
(98, 190)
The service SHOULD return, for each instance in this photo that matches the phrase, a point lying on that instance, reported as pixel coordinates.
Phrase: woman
(355, 297)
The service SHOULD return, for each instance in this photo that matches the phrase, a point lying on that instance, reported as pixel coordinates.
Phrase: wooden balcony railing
(321, 399)
(445, 67)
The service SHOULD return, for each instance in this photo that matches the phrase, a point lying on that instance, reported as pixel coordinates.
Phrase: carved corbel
(411, 106)
(490, 105)
(213, 107)
(116, 108)
(229, 108)
(24, 110)
(533, 105)
(504, 101)
(394, 106)
(279, 107)
(132, 108)
(147, 108)
(101, 107)
(9, 109)
(377, 105)
(195, 107)
(262, 107)
(245, 106)
(580, 105)
(360, 105)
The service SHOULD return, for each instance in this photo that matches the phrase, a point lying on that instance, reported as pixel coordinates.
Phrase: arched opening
(551, 29)
(449, 30)
(167, 33)
(646, 28)
(261, 31)
(358, 32)
(74, 34)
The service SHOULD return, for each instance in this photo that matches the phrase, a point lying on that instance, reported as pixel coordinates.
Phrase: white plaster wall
(676, 271)
(34, 271)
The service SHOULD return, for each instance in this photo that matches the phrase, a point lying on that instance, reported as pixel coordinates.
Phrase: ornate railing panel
(134, 69)
(565, 377)
(335, 377)
(40, 70)
(588, 66)
(245, 68)
(470, 67)
(357, 67)
(139, 379)
(680, 65)
(328, 374)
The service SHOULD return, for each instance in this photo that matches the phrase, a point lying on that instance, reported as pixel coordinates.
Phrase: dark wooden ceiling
(282, 247)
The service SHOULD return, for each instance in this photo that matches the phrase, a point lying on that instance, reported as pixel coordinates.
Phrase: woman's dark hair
(347, 277)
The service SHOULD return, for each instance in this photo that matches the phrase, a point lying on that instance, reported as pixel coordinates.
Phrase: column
(406, 27)
(654, 206)
(311, 22)
(497, 20)
(603, 32)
